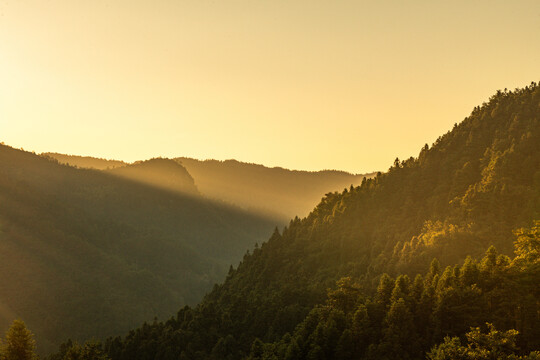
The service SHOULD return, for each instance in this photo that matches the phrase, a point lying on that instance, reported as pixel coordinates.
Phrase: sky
(318, 84)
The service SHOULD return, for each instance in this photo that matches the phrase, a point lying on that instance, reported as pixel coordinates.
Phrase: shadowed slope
(87, 254)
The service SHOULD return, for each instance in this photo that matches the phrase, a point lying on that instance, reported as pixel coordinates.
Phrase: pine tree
(19, 343)
(384, 290)
(398, 343)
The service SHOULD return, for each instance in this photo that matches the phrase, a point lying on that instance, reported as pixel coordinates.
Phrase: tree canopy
(19, 343)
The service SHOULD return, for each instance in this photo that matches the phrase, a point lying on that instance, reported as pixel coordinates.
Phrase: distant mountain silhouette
(162, 173)
(277, 191)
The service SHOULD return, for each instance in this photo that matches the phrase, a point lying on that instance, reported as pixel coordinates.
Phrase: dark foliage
(422, 313)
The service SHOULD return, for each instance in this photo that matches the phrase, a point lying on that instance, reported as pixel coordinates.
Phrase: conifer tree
(384, 290)
(19, 343)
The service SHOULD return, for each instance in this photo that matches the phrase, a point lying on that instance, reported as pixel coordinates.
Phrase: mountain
(470, 190)
(87, 253)
(276, 191)
(161, 173)
(87, 162)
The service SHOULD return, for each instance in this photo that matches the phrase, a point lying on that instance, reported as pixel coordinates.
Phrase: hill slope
(85, 162)
(468, 191)
(161, 173)
(276, 191)
(84, 253)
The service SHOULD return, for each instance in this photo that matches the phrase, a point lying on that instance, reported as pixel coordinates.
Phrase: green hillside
(468, 191)
(84, 253)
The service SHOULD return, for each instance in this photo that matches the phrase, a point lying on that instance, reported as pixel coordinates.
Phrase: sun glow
(309, 85)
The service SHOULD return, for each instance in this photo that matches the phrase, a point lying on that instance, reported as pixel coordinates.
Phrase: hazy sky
(300, 84)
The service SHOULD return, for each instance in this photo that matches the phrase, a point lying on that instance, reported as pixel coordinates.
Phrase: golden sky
(303, 84)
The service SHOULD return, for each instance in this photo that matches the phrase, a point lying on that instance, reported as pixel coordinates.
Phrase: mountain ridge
(269, 191)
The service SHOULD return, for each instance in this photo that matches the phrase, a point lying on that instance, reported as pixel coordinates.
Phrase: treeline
(19, 344)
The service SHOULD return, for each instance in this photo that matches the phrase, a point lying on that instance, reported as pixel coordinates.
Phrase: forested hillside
(400, 318)
(274, 191)
(85, 253)
(470, 190)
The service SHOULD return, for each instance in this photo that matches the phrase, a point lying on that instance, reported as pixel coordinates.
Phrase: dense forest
(438, 257)
(400, 318)
(86, 253)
